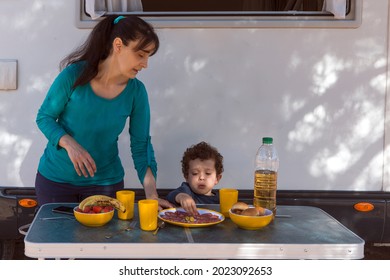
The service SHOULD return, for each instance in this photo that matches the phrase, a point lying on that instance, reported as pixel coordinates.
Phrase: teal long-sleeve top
(95, 123)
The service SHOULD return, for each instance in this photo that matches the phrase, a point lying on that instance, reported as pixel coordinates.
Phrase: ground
(372, 252)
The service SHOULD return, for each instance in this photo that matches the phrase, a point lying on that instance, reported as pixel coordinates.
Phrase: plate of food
(179, 217)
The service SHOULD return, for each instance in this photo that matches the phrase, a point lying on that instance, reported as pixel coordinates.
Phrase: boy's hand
(187, 203)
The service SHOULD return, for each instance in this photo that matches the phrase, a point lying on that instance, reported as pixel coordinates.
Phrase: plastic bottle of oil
(266, 175)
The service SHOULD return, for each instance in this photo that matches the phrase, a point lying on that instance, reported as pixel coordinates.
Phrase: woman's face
(202, 176)
(132, 61)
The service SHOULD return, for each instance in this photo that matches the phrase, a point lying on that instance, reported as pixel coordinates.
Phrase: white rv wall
(319, 92)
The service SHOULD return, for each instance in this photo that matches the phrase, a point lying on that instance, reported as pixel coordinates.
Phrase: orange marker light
(28, 202)
(364, 206)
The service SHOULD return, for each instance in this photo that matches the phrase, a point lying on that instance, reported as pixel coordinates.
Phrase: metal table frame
(310, 233)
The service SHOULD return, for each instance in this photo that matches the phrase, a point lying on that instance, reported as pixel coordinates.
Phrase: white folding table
(309, 233)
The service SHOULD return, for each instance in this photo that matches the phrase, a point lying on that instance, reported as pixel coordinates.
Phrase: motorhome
(313, 75)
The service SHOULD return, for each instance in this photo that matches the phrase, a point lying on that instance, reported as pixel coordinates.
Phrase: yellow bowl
(251, 222)
(93, 219)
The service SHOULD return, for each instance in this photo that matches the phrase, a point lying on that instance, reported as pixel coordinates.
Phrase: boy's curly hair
(202, 151)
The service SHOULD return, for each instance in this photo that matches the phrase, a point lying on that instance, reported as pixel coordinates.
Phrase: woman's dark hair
(98, 45)
(202, 151)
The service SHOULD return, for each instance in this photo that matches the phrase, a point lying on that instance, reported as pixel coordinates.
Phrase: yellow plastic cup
(127, 198)
(148, 212)
(227, 197)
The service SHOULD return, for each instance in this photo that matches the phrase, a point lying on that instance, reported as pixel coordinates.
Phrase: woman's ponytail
(97, 47)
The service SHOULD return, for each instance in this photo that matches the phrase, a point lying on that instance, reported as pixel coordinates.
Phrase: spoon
(161, 224)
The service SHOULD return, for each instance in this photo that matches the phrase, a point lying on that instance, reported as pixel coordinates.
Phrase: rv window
(228, 13)
(164, 7)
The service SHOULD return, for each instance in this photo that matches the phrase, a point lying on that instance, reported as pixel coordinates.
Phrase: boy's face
(202, 176)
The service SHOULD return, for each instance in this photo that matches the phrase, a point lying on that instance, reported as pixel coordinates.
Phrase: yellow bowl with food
(250, 217)
(94, 218)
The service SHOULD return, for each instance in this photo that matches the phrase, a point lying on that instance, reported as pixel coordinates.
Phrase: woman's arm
(149, 185)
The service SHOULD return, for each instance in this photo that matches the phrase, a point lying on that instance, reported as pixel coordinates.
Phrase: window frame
(289, 19)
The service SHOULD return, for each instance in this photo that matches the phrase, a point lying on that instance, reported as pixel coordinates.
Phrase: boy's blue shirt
(198, 198)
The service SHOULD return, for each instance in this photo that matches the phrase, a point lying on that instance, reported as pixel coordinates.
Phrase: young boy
(202, 167)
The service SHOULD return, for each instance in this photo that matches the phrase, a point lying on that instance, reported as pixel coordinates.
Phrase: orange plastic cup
(227, 197)
(127, 198)
(148, 212)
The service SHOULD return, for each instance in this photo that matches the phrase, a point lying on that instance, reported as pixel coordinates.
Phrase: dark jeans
(48, 191)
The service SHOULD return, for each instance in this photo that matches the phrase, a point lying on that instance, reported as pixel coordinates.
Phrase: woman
(86, 109)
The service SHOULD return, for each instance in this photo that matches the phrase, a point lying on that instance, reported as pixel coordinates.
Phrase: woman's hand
(163, 204)
(187, 203)
(82, 161)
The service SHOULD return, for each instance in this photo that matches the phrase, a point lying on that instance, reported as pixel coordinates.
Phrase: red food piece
(97, 209)
(107, 209)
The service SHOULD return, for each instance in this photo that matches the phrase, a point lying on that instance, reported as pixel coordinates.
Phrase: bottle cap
(267, 140)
